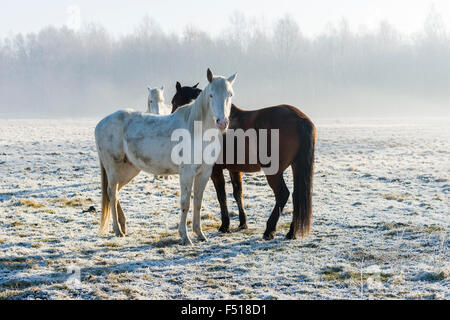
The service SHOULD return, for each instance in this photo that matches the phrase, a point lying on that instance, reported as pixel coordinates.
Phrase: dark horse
(297, 138)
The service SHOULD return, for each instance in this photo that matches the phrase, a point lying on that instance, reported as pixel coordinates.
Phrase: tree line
(340, 72)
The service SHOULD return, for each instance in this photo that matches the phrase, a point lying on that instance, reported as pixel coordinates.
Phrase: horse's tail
(303, 179)
(106, 210)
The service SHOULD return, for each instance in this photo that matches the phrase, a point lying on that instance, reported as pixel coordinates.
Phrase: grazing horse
(129, 142)
(297, 138)
(155, 101)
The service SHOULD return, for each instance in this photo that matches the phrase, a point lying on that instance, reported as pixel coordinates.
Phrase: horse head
(184, 95)
(155, 99)
(219, 93)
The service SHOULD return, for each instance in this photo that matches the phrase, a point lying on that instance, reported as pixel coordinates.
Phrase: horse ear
(232, 78)
(195, 87)
(209, 75)
(178, 86)
(162, 88)
(149, 89)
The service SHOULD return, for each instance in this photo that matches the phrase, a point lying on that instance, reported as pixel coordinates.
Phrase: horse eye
(210, 95)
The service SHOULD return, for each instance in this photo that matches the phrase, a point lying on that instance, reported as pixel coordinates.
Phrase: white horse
(156, 105)
(129, 142)
(155, 102)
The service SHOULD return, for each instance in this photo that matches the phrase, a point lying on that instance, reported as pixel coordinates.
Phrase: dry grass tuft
(9, 294)
(399, 197)
(30, 203)
(47, 210)
(72, 203)
(434, 228)
(208, 216)
(119, 277)
(337, 273)
(112, 245)
(16, 224)
(284, 226)
(211, 226)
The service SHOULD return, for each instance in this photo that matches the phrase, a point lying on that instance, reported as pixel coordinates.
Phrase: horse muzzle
(222, 124)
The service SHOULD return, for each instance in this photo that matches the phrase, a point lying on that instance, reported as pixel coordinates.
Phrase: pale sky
(121, 17)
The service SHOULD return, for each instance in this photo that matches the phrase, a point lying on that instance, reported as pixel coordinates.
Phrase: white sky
(120, 16)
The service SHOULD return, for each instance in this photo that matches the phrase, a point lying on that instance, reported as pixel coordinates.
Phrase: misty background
(340, 72)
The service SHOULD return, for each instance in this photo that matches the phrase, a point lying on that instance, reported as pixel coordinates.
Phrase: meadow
(380, 228)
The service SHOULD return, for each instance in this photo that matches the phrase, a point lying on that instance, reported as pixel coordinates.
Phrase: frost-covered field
(380, 231)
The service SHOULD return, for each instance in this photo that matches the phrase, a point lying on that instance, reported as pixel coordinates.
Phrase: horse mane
(197, 111)
(194, 111)
(184, 109)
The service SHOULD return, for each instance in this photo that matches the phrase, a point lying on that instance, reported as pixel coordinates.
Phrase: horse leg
(219, 184)
(122, 218)
(186, 180)
(236, 180)
(281, 192)
(128, 172)
(113, 194)
(199, 187)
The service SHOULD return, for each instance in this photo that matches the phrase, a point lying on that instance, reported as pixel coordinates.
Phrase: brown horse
(297, 138)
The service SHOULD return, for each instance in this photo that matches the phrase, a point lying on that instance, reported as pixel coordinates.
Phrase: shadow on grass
(201, 253)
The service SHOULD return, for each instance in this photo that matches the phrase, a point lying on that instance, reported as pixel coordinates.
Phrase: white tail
(106, 210)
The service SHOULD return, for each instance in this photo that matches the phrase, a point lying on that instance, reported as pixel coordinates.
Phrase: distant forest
(58, 72)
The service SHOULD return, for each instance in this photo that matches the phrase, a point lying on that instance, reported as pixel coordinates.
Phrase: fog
(341, 72)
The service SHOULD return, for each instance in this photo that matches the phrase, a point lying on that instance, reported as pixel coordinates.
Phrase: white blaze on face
(220, 98)
(73, 17)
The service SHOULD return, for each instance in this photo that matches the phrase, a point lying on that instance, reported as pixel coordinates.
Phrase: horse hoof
(186, 242)
(224, 229)
(243, 226)
(201, 236)
(269, 236)
(291, 236)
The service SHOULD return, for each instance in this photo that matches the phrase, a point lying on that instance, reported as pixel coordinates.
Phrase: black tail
(303, 179)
